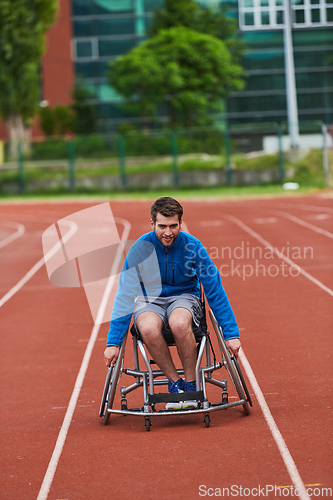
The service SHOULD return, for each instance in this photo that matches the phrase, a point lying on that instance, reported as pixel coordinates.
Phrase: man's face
(166, 228)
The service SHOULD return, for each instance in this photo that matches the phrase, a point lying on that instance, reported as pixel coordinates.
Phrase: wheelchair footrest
(165, 397)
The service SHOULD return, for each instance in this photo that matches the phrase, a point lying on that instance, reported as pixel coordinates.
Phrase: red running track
(286, 332)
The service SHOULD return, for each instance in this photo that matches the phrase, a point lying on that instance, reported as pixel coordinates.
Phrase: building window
(151, 5)
(329, 15)
(101, 7)
(115, 26)
(85, 49)
(115, 47)
(268, 14)
(299, 17)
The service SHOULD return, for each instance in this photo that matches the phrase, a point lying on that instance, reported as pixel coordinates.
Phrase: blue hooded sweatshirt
(154, 270)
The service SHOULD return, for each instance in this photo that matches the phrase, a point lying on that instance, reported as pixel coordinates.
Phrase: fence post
(325, 153)
(20, 167)
(71, 165)
(228, 156)
(122, 160)
(174, 152)
(281, 159)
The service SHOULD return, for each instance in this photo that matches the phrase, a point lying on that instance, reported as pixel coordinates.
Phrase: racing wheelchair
(148, 378)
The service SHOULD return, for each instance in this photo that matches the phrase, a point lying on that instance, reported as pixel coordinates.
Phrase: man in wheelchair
(160, 286)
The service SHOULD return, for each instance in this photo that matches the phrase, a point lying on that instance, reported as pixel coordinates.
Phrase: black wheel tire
(207, 420)
(110, 399)
(108, 404)
(240, 374)
(111, 383)
(147, 424)
(105, 392)
(237, 369)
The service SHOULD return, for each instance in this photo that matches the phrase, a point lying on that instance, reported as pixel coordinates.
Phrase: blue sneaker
(190, 386)
(175, 387)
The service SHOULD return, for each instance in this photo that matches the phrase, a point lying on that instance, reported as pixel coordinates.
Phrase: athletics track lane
(113, 461)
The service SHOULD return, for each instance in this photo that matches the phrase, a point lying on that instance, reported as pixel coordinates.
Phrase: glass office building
(104, 29)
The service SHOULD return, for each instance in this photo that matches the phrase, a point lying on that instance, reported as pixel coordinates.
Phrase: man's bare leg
(150, 327)
(180, 322)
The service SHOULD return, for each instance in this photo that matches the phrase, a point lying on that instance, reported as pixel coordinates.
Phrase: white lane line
(32, 218)
(314, 208)
(266, 220)
(39, 264)
(319, 216)
(52, 467)
(305, 224)
(20, 230)
(206, 223)
(280, 442)
(279, 254)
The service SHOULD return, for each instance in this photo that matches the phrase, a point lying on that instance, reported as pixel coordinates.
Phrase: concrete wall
(307, 141)
(207, 178)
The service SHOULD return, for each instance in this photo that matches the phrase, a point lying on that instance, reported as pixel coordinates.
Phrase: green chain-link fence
(139, 160)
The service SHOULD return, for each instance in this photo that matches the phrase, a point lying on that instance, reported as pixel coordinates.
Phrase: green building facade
(104, 29)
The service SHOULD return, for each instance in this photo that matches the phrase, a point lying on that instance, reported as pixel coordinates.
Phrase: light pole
(250, 19)
(290, 79)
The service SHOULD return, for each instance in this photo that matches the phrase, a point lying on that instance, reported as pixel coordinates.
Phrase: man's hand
(233, 346)
(111, 355)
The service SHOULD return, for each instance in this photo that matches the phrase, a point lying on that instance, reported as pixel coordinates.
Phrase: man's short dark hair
(166, 206)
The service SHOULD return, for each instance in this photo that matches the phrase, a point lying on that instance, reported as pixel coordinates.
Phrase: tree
(79, 118)
(190, 71)
(57, 121)
(190, 14)
(22, 28)
(84, 111)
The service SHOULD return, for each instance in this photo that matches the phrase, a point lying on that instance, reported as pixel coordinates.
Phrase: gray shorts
(163, 306)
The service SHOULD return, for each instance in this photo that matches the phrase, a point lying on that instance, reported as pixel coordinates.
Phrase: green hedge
(309, 170)
(98, 146)
(49, 150)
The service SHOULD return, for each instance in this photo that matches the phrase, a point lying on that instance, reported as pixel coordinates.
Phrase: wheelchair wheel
(206, 420)
(111, 384)
(239, 371)
(147, 424)
(233, 367)
(105, 392)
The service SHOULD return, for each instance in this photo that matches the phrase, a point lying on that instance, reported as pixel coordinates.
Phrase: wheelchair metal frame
(147, 380)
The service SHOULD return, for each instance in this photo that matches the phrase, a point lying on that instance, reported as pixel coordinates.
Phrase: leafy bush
(309, 170)
(49, 150)
(147, 145)
(47, 120)
(57, 121)
(95, 146)
(207, 141)
(85, 114)
(188, 142)
(242, 162)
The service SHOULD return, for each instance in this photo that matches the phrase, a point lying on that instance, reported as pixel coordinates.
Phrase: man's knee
(149, 326)
(180, 322)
